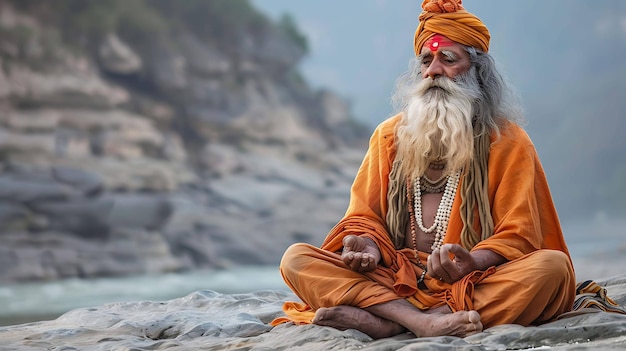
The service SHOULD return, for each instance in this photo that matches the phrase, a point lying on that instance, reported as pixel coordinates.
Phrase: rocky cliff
(153, 136)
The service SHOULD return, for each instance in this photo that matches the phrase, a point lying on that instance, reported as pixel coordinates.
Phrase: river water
(20, 303)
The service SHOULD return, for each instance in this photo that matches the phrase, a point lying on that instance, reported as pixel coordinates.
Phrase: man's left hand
(450, 270)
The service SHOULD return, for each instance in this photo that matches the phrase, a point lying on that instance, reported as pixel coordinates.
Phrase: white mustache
(465, 84)
(441, 84)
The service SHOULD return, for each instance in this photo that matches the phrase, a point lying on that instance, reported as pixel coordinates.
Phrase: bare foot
(349, 317)
(423, 324)
(439, 310)
(402, 317)
(462, 323)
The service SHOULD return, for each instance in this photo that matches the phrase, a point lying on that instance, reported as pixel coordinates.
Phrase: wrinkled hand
(440, 266)
(360, 254)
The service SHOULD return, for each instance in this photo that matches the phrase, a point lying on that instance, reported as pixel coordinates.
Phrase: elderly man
(451, 227)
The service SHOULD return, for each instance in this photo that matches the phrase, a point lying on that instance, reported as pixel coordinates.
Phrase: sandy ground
(206, 320)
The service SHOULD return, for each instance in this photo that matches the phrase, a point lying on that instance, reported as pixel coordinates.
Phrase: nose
(434, 70)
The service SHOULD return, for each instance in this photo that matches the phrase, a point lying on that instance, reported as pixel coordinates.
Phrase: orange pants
(531, 290)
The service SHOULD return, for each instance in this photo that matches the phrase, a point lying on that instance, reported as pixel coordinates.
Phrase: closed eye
(449, 57)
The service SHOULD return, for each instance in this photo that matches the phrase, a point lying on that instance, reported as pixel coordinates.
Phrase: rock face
(128, 154)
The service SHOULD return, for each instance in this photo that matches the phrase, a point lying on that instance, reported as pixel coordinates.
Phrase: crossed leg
(321, 279)
(398, 316)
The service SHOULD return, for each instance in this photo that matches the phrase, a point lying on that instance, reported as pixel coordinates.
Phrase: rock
(51, 255)
(27, 144)
(167, 70)
(83, 217)
(203, 58)
(27, 191)
(143, 251)
(88, 183)
(161, 113)
(117, 57)
(17, 217)
(31, 121)
(271, 50)
(139, 211)
(4, 84)
(173, 148)
(75, 89)
(141, 175)
(9, 211)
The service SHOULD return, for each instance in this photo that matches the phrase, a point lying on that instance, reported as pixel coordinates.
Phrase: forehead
(439, 42)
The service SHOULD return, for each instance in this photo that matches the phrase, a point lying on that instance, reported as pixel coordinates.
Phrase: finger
(371, 262)
(353, 261)
(358, 256)
(348, 259)
(434, 268)
(348, 242)
(438, 270)
(355, 265)
(429, 266)
(364, 257)
(458, 251)
(447, 264)
(362, 263)
(448, 268)
(347, 256)
(365, 265)
(361, 266)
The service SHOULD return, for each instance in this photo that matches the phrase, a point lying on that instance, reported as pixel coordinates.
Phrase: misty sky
(359, 47)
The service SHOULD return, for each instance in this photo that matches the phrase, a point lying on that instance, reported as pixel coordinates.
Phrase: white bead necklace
(442, 217)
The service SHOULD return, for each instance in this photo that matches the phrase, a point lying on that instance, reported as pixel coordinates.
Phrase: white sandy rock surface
(207, 320)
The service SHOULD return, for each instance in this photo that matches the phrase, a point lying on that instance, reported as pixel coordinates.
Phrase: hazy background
(567, 59)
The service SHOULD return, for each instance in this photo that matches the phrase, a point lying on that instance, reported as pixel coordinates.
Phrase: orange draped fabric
(526, 232)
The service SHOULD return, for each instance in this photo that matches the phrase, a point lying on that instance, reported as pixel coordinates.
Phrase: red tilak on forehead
(438, 41)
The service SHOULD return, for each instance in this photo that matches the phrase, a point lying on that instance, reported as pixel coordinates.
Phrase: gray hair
(498, 101)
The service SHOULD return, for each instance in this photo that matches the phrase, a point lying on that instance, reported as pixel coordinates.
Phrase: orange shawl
(524, 215)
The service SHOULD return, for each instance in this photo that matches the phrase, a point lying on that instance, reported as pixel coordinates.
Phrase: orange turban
(449, 18)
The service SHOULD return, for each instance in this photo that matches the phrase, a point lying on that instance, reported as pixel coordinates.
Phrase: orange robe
(535, 285)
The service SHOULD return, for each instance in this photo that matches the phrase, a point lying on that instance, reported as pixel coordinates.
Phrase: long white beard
(437, 125)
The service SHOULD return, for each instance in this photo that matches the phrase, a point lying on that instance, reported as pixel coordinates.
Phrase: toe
(473, 317)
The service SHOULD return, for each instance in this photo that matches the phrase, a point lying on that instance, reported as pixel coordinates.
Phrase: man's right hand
(360, 254)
